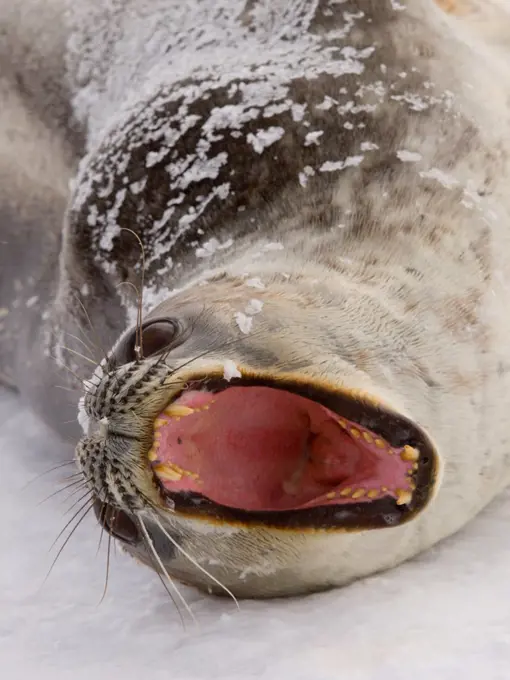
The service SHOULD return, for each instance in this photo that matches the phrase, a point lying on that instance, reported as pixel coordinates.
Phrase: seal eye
(158, 335)
(116, 522)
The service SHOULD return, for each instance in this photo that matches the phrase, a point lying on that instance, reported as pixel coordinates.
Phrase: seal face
(289, 222)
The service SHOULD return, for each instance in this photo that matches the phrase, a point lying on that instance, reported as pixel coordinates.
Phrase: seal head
(204, 437)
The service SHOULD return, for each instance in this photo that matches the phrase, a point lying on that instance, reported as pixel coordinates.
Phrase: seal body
(319, 189)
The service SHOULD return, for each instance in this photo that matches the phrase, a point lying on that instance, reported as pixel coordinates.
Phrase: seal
(264, 248)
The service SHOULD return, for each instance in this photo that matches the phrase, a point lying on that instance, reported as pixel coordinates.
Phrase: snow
(444, 615)
(263, 138)
(230, 370)
(408, 156)
(350, 161)
(244, 322)
(442, 177)
(253, 307)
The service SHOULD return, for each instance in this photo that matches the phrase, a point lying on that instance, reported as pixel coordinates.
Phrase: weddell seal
(265, 247)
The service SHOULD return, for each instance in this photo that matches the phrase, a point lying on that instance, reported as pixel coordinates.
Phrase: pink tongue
(259, 448)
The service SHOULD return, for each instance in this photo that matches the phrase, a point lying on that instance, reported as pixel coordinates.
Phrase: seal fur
(336, 162)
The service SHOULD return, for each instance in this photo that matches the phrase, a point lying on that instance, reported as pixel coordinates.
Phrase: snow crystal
(254, 306)
(32, 301)
(298, 112)
(303, 179)
(313, 137)
(211, 246)
(326, 104)
(92, 216)
(255, 283)
(442, 177)
(230, 370)
(350, 161)
(273, 246)
(244, 322)
(264, 138)
(137, 187)
(408, 156)
(368, 146)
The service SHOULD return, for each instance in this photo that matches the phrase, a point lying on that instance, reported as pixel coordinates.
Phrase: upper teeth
(409, 453)
(177, 411)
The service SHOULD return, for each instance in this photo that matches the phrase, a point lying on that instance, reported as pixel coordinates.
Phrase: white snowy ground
(446, 615)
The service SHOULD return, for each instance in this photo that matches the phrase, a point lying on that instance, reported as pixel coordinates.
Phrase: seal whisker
(70, 521)
(197, 565)
(79, 354)
(61, 364)
(80, 520)
(89, 492)
(97, 345)
(82, 342)
(107, 574)
(140, 295)
(47, 472)
(161, 570)
(79, 483)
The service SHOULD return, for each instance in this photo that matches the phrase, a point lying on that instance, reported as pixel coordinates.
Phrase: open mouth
(289, 453)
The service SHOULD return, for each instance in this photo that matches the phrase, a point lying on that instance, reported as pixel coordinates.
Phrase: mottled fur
(392, 222)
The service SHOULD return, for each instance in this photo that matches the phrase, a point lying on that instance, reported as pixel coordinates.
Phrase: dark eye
(116, 522)
(158, 335)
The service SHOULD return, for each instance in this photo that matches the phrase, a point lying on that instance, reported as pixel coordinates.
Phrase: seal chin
(286, 451)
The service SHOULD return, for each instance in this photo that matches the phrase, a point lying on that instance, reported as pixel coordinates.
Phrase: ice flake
(137, 187)
(273, 246)
(350, 161)
(313, 137)
(303, 179)
(244, 322)
(255, 283)
(253, 307)
(442, 177)
(326, 104)
(32, 301)
(264, 138)
(408, 156)
(230, 370)
(211, 246)
(298, 112)
(368, 146)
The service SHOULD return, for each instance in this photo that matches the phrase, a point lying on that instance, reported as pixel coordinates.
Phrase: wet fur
(388, 281)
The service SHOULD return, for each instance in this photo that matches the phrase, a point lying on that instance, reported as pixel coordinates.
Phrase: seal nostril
(116, 522)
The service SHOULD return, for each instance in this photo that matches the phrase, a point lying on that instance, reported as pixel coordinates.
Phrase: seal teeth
(166, 472)
(173, 473)
(153, 452)
(346, 492)
(177, 411)
(403, 497)
(373, 493)
(410, 454)
(358, 493)
(380, 443)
